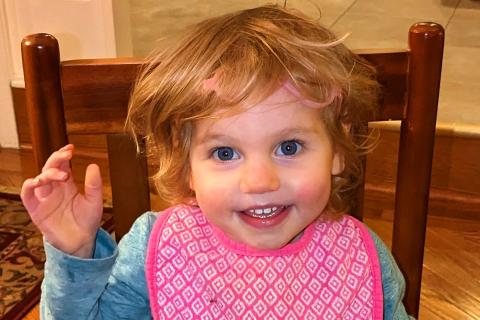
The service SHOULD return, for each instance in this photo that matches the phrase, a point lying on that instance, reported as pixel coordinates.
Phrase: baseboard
(455, 183)
(443, 203)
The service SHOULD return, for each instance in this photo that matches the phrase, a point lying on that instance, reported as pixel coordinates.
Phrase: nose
(259, 176)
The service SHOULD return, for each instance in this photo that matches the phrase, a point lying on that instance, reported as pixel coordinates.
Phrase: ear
(338, 163)
(190, 181)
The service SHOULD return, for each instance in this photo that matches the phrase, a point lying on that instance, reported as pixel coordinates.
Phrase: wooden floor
(451, 272)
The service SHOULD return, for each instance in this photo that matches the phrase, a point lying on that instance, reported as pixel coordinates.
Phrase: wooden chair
(91, 96)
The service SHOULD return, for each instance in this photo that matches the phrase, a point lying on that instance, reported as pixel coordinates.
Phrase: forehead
(280, 112)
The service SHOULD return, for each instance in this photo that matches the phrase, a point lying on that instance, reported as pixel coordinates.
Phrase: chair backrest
(91, 97)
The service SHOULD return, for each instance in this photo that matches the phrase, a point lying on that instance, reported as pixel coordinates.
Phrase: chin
(268, 245)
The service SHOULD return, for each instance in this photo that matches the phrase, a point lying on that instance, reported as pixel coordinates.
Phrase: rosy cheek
(211, 194)
(312, 191)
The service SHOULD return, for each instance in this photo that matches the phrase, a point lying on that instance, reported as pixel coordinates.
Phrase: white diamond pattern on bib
(197, 277)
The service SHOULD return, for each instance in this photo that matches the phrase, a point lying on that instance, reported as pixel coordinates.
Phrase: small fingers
(93, 184)
(43, 190)
(45, 179)
(27, 194)
(69, 146)
(53, 174)
(60, 158)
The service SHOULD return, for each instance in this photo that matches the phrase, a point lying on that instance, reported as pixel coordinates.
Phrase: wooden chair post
(44, 102)
(129, 181)
(426, 45)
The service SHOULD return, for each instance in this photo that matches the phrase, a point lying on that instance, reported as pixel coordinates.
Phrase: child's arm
(112, 285)
(67, 219)
(393, 283)
(76, 286)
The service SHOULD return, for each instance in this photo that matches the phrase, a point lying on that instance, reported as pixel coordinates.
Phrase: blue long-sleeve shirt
(112, 285)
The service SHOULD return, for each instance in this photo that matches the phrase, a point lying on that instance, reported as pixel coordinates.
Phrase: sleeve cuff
(64, 268)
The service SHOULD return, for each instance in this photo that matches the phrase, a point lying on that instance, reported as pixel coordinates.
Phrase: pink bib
(194, 271)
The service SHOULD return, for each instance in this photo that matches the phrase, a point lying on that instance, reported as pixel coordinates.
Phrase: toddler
(251, 117)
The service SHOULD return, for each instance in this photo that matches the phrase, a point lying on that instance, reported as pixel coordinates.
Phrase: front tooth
(265, 211)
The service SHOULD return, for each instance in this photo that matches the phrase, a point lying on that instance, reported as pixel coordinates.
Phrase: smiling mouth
(264, 213)
(265, 217)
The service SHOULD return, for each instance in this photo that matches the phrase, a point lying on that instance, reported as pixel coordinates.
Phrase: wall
(8, 132)
(84, 28)
(155, 24)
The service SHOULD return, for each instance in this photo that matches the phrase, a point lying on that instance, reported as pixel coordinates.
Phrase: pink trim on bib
(376, 270)
(150, 262)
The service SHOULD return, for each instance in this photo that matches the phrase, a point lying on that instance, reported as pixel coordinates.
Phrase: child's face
(263, 175)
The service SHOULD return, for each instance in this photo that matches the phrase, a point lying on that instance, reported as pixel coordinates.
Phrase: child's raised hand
(67, 219)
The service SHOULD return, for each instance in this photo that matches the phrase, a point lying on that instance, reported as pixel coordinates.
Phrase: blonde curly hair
(250, 53)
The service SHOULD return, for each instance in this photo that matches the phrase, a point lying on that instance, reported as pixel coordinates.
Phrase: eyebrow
(295, 131)
(213, 137)
(301, 130)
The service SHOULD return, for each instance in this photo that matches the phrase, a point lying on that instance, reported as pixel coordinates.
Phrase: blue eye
(225, 154)
(288, 148)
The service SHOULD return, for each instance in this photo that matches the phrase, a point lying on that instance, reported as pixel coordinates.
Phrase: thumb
(93, 184)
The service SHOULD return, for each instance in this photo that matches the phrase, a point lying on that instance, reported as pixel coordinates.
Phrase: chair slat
(129, 182)
(392, 70)
(96, 94)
